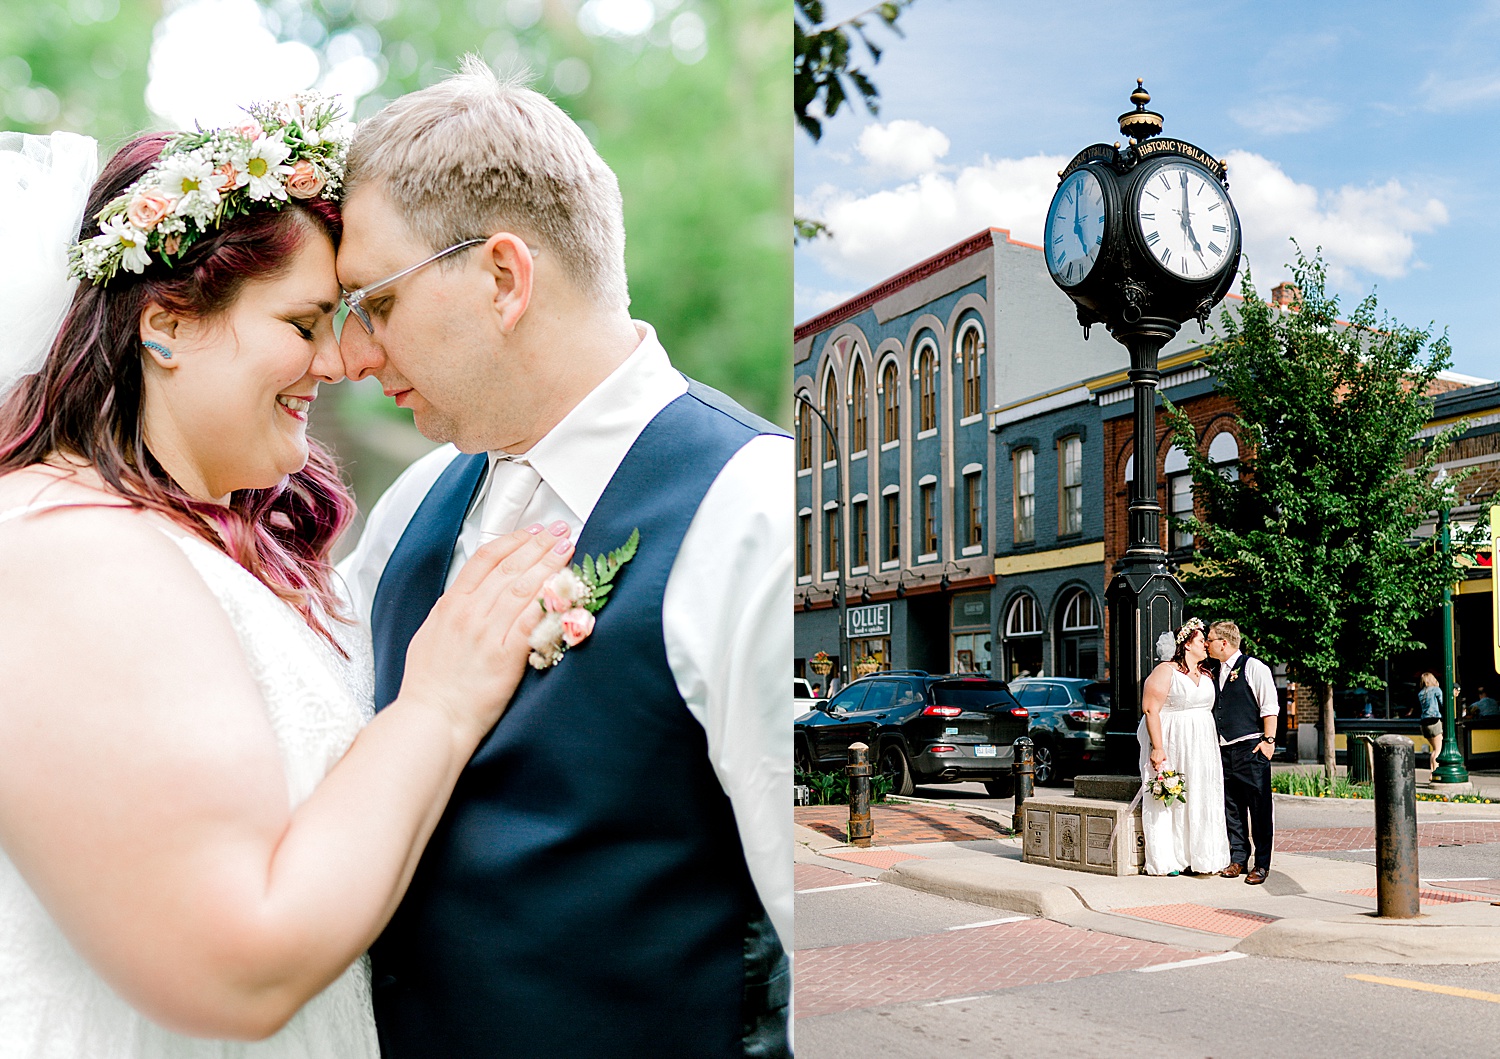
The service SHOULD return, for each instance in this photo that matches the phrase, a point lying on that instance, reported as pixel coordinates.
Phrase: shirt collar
(1229, 662)
(579, 456)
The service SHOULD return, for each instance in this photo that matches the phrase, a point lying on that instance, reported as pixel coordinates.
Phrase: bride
(200, 833)
(1178, 732)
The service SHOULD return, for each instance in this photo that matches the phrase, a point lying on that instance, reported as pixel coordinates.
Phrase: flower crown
(1189, 627)
(288, 150)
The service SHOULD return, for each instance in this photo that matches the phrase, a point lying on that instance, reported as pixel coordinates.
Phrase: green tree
(1312, 548)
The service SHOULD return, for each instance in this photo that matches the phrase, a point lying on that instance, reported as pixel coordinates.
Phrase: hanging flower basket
(821, 664)
(865, 666)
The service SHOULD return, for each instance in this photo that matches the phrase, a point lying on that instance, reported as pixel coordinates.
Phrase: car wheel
(801, 760)
(1001, 788)
(1044, 768)
(895, 767)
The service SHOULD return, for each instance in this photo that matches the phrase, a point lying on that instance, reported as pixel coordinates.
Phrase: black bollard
(1024, 770)
(1396, 894)
(861, 825)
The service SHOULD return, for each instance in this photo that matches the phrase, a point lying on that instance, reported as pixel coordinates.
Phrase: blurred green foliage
(690, 113)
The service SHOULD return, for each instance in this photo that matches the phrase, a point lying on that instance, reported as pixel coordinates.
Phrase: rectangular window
(1181, 493)
(973, 519)
(929, 519)
(1070, 485)
(831, 554)
(804, 545)
(893, 527)
(1024, 465)
(861, 553)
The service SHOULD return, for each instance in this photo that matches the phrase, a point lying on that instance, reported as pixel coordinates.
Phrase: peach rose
(577, 624)
(229, 176)
(147, 208)
(250, 130)
(305, 181)
(171, 244)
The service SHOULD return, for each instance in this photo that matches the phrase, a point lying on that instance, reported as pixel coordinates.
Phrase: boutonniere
(1234, 674)
(570, 599)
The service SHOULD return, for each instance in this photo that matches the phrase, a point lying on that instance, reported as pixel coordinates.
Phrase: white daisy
(118, 231)
(189, 178)
(264, 165)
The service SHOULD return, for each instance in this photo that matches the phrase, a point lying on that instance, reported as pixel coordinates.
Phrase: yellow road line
(1428, 987)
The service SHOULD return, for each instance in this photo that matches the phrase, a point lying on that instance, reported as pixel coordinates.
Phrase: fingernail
(558, 528)
(563, 547)
(535, 529)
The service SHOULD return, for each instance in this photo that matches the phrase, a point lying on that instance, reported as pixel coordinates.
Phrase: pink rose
(250, 130)
(147, 208)
(229, 176)
(305, 181)
(577, 624)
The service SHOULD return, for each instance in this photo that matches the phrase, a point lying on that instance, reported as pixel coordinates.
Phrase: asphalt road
(1234, 1007)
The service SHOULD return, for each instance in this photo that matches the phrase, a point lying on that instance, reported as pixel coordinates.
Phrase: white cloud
(810, 301)
(1441, 92)
(902, 148)
(875, 235)
(1275, 115)
(1361, 229)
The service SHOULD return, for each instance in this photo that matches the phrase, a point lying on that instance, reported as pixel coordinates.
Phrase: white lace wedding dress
(53, 1005)
(1192, 836)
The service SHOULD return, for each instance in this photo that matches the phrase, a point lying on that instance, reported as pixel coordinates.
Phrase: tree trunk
(1325, 693)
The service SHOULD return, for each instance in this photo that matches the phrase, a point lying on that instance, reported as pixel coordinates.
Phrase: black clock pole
(1137, 279)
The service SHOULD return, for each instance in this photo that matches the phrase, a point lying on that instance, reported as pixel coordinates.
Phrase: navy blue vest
(1235, 709)
(585, 893)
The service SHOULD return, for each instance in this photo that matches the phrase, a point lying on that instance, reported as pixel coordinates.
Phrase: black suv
(920, 728)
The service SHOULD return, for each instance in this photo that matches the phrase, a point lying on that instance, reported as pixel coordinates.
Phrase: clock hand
(1187, 224)
(1078, 227)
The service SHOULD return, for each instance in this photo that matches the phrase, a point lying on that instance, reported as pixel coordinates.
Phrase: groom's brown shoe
(1234, 871)
(1257, 876)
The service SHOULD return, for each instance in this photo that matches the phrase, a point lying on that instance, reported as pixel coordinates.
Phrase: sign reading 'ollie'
(874, 620)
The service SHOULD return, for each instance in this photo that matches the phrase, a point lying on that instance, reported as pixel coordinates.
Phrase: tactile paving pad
(875, 858)
(1427, 897)
(1232, 922)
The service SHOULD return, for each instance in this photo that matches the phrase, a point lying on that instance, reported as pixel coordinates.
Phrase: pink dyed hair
(86, 399)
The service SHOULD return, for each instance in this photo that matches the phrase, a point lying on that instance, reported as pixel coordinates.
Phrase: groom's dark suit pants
(1247, 802)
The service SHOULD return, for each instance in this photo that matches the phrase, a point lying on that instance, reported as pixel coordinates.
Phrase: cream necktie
(513, 482)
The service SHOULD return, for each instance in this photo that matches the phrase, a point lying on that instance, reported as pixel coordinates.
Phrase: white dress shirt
(1262, 685)
(728, 603)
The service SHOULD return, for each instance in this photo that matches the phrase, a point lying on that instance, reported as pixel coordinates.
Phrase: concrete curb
(1461, 936)
(948, 878)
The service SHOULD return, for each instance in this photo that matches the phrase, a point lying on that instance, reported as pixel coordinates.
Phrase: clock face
(1185, 220)
(1075, 227)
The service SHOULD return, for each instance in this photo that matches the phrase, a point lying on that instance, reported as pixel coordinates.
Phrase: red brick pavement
(1322, 839)
(959, 962)
(811, 876)
(900, 824)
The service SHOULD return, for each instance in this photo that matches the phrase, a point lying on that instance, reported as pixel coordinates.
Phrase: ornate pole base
(1144, 600)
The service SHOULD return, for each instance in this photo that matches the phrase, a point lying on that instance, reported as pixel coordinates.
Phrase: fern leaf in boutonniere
(571, 598)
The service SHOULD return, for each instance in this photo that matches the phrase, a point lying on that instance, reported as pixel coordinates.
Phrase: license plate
(984, 750)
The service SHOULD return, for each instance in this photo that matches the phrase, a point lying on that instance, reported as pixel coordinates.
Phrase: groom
(1246, 709)
(612, 876)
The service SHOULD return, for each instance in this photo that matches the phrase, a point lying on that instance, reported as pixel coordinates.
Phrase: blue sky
(1368, 128)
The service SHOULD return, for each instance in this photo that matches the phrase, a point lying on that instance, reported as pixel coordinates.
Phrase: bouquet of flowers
(1168, 786)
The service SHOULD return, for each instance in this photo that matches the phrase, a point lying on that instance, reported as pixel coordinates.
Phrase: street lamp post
(838, 478)
(1449, 766)
(1141, 239)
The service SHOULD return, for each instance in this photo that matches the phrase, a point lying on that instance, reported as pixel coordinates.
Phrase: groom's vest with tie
(1235, 710)
(585, 893)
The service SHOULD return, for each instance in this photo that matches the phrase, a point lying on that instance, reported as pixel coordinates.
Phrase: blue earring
(166, 354)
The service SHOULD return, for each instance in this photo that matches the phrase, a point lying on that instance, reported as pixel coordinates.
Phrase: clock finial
(1140, 124)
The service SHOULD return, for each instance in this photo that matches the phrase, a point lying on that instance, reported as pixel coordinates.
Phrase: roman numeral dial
(1185, 220)
(1075, 228)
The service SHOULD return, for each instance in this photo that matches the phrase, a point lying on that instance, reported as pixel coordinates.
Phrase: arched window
(1023, 638)
(890, 395)
(859, 410)
(927, 381)
(831, 412)
(968, 359)
(804, 436)
(1224, 454)
(1179, 495)
(1078, 638)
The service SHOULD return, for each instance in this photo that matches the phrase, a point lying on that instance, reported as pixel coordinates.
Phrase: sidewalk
(1313, 908)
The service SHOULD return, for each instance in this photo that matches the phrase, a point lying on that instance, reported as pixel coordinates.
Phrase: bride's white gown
(1191, 836)
(53, 1005)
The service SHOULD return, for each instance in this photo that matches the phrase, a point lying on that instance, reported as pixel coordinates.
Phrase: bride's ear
(160, 330)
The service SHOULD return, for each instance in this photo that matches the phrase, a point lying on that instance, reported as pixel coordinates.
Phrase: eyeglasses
(355, 300)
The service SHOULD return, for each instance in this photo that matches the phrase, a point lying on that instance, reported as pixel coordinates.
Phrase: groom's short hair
(1227, 631)
(475, 154)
